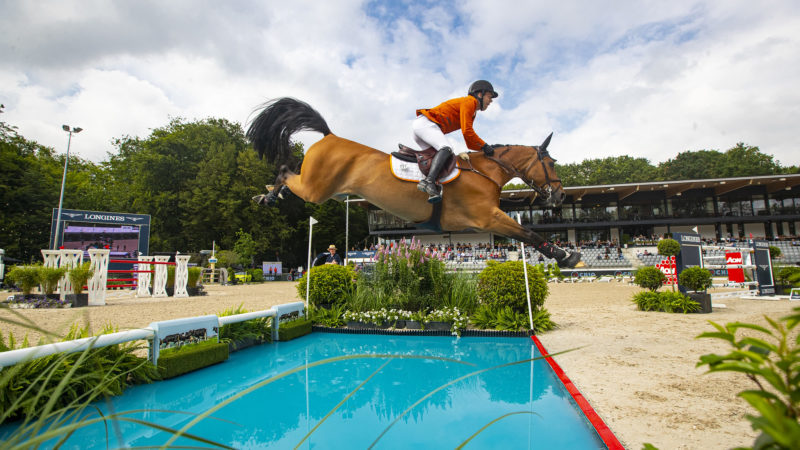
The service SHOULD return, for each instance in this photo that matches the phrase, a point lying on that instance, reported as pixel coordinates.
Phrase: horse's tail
(277, 122)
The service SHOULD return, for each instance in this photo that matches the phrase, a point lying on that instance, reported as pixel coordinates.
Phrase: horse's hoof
(571, 261)
(265, 200)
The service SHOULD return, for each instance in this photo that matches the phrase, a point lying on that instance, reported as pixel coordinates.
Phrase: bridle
(545, 190)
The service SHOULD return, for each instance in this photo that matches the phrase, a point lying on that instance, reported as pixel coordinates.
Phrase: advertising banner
(735, 259)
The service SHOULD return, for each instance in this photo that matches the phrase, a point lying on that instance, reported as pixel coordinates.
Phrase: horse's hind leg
(277, 191)
(506, 226)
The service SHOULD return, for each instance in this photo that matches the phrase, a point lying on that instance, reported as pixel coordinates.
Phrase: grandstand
(628, 218)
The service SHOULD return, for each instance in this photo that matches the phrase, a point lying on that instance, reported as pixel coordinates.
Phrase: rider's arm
(467, 116)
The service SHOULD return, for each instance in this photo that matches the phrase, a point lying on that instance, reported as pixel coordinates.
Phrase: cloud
(647, 80)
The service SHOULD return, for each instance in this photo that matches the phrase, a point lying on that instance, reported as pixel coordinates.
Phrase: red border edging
(600, 427)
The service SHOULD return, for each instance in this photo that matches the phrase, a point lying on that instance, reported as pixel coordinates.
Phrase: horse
(334, 167)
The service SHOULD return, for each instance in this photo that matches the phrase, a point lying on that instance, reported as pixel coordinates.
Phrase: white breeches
(428, 134)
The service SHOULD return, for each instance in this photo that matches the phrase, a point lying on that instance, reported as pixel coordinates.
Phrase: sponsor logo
(763, 267)
(733, 260)
(107, 217)
(71, 214)
(690, 239)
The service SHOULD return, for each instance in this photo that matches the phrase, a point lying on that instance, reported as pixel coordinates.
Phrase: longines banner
(123, 233)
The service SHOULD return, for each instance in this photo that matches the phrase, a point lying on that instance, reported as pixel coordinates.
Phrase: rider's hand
(488, 150)
(464, 156)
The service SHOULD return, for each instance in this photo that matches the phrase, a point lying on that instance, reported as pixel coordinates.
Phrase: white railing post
(181, 275)
(69, 259)
(160, 277)
(97, 284)
(51, 258)
(143, 279)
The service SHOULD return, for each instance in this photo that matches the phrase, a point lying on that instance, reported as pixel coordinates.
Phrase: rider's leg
(563, 258)
(428, 184)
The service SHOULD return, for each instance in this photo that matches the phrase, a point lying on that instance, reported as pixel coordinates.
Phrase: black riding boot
(428, 184)
(565, 260)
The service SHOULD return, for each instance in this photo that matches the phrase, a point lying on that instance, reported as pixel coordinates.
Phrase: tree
(245, 247)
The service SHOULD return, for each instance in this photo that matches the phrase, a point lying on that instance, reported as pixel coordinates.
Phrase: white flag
(313, 220)
(695, 230)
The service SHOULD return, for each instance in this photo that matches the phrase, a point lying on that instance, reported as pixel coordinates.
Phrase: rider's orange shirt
(458, 113)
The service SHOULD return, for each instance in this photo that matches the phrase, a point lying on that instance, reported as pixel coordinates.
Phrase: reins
(512, 170)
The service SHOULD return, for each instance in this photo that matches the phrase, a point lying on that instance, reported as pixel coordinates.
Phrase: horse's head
(537, 169)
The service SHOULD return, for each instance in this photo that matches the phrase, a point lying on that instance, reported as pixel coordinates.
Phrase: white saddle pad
(409, 171)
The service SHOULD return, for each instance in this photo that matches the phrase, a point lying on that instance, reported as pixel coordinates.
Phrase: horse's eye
(552, 165)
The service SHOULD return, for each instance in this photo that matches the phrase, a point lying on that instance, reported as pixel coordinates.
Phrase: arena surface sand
(637, 369)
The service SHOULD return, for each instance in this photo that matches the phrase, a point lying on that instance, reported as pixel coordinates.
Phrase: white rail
(12, 357)
(724, 266)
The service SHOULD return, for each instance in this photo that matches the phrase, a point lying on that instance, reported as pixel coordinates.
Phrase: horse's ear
(546, 142)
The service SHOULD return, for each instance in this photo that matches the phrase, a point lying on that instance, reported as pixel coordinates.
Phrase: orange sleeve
(467, 116)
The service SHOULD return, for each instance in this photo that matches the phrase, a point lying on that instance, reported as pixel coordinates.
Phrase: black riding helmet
(481, 86)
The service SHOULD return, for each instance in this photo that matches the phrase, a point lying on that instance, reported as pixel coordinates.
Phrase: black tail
(277, 122)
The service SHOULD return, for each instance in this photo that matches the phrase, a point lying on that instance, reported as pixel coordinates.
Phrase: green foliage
(408, 277)
(245, 247)
(256, 274)
(669, 247)
(50, 276)
(227, 258)
(649, 277)
(79, 276)
(788, 275)
(170, 277)
(774, 252)
(329, 285)
(508, 319)
(484, 318)
(333, 317)
(293, 329)
(26, 276)
(187, 358)
(770, 358)
(258, 329)
(671, 302)
(460, 292)
(695, 279)
(194, 276)
(28, 387)
(503, 284)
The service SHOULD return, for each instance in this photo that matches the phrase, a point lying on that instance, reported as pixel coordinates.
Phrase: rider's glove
(488, 150)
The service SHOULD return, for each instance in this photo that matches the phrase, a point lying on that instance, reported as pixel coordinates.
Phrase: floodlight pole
(63, 182)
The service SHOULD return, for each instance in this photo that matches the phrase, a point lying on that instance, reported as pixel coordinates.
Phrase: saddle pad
(409, 171)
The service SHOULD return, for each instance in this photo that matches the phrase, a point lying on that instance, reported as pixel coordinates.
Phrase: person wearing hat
(432, 124)
(333, 258)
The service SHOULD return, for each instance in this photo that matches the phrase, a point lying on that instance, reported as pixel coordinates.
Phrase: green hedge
(294, 329)
(330, 284)
(503, 284)
(178, 361)
(672, 302)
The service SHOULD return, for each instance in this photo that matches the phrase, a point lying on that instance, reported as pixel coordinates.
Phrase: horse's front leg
(506, 226)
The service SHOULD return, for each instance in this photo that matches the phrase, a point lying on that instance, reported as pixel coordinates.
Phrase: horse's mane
(277, 122)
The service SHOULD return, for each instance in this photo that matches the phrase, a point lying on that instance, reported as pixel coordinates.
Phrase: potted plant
(78, 277)
(49, 278)
(698, 280)
(786, 276)
(416, 320)
(27, 277)
(192, 286)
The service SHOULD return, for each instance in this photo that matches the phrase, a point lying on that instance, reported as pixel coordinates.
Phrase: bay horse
(335, 167)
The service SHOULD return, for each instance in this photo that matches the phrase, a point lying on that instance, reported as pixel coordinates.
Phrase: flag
(313, 220)
(695, 230)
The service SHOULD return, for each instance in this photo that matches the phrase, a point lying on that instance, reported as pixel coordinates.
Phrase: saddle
(423, 159)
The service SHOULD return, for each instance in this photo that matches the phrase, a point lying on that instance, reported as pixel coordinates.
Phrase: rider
(431, 125)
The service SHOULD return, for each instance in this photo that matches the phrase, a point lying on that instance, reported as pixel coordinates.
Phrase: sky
(647, 79)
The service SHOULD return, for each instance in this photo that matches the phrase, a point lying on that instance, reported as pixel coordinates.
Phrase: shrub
(503, 284)
(771, 359)
(695, 279)
(194, 276)
(294, 329)
(49, 277)
(333, 317)
(665, 301)
(669, 247)
(484, 318)
(330, 283)
(259, 329)
(79, 276)
(170, 277)
(187, 358)
(774, 252)
(788, 275)
(26, 276)
(460, 293)
(649, 277)
(508, 319)
(256, 274)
